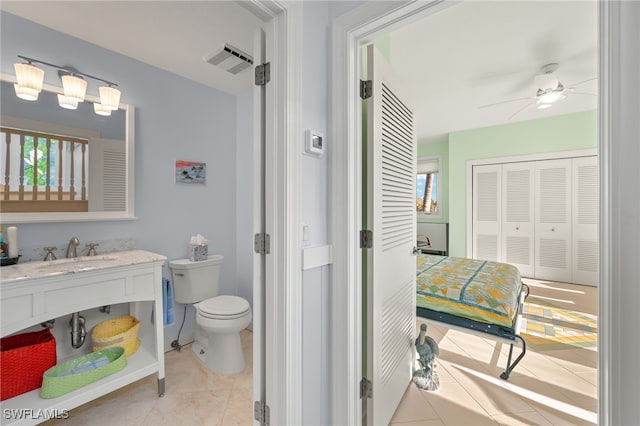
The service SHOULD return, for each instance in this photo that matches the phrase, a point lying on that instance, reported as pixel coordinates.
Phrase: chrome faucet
(71, 248)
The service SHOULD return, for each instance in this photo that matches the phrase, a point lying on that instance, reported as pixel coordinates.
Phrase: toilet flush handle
(178, 274)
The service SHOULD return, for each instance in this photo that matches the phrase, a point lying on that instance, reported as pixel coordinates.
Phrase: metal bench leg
(510, 366)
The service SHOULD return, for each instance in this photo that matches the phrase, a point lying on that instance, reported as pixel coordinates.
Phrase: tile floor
(193, 396)
(556, 387)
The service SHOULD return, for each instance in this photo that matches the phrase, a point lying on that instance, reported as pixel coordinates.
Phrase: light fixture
(30, 80)
(74, 87)
(101, 109)
(109, 97)
(67, 102)
(550, 96)
(542, 105)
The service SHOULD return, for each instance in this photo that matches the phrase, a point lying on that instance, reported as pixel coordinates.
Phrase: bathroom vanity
(35, 292)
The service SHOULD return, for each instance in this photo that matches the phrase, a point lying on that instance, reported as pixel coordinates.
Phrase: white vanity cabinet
(35, 292)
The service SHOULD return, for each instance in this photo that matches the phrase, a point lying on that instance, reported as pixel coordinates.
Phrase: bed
(471, 295)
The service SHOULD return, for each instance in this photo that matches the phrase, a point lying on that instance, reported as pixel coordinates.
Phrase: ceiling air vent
(230, 59)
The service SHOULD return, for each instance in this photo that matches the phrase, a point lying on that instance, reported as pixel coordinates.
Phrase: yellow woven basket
(120, 331)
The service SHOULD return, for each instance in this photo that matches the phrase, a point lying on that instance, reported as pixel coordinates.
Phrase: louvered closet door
(487, 212)
(518, 216)
(391, 215)
(585, 220)
(553, 220)
(107, 175)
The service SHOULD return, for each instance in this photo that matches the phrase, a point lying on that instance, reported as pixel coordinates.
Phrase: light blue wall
(315, 212)
(176, 118)
(244, 195)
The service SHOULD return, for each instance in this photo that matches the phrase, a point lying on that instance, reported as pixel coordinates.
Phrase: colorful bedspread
(475, 289)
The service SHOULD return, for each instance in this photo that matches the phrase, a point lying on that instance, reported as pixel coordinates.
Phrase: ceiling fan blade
(582, 82)
(521, 109)
(582, 93)
(505, 102)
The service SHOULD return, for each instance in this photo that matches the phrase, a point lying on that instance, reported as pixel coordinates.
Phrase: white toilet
(219, 319)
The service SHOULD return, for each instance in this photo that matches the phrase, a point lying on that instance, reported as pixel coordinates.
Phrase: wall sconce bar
(31, 78)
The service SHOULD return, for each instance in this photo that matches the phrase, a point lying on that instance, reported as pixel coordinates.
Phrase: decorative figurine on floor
(426, 377)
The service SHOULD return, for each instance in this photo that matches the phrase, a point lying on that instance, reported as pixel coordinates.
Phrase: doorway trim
(283, 267)
(351, 31)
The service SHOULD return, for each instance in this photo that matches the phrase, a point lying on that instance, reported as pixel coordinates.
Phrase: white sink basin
(77, 264)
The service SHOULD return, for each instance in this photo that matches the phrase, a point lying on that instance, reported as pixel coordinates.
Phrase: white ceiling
(171, 35)
(482, 52)
(472, 54)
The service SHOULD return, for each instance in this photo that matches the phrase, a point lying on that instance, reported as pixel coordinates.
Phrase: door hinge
(366, 89)
(366, 388)
(263, 74)
(366, 239)
(261, 412)
(262, 243)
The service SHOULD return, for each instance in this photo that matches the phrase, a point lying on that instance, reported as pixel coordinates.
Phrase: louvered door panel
(585, 220)
(391, 215)
(553, 220)
(107, 175)
(487, 199)
(517, 230)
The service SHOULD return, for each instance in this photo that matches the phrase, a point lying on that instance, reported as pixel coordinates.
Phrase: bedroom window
(428, 187)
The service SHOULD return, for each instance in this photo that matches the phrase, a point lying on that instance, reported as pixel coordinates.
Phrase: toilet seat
(224, 307)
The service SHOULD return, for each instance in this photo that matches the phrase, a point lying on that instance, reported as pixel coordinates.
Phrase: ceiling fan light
(101, 110)
(109, 97)
(550, 97)
(544, 106)
(74, 87)
(67, 103)
(30, 79)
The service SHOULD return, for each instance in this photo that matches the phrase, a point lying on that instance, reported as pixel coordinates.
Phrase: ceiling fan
(549, 90)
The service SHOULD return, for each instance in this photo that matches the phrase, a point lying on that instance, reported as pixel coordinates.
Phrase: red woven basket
(23, 360)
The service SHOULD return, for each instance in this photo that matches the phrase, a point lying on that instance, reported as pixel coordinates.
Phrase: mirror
(60, 165)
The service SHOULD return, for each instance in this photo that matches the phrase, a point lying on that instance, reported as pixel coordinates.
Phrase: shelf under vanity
(35, 292)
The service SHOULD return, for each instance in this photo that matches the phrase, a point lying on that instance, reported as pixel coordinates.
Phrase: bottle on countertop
(4, 247)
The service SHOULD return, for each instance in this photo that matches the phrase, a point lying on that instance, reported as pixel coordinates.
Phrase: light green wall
(441, 149)
(563, 133)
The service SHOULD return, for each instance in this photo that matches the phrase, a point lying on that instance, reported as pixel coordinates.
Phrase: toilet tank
(194, 282)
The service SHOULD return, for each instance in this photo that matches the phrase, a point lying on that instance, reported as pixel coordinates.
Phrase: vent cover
(230, 59)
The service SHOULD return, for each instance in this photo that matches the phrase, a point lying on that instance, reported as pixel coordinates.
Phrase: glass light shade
(74, 87)
(30, 79)
(101, 110)
(543, 106)
(109, 97)
(67, 103)
(26, 93)
(550, 97)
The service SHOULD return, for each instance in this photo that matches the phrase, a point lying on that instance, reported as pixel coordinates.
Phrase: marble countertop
(42, 269)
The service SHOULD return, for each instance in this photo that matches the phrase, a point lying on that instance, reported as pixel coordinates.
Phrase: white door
(553, 220)
(487, 212)
(585, 220)
(391, 216)
(259, 226)
(518, 216)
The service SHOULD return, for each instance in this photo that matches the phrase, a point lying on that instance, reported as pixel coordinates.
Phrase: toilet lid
(224, 306)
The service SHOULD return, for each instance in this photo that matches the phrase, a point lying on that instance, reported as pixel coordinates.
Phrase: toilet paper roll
(12, 241)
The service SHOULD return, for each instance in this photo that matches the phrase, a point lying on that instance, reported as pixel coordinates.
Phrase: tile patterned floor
(193, 396)
(551, 387)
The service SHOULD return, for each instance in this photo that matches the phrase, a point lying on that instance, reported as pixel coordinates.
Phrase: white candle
(12, 241)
